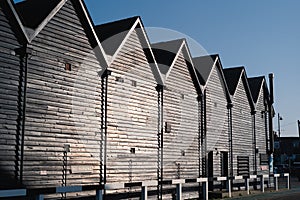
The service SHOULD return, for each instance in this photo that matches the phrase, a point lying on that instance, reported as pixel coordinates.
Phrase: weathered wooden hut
(217, 102)
(260, 124)
(12, 40)
(181, 147)
(61, 132)
(241, 120)
(131, 143)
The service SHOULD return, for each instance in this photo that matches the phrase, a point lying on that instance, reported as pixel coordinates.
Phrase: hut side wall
(9, 92)
(261, 133)
(132, 116)
(217, 120)
(63, 107)
(180, 111)
(241, 127)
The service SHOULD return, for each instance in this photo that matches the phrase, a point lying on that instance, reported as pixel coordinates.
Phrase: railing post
(287, 180)
(262, 183)
(247, 185)
(99, 194)
(179, 191)
(178, 183)
(276, 181)
(144, 193)
(204, 182)
(229, 186)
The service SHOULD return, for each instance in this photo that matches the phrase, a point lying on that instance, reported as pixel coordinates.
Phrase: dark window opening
(119, 79)
(183, 153)
(132, 150)
(133, 83)
(68, 67)
(168, 127)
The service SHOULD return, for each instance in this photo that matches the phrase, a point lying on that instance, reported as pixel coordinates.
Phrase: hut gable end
(63, 103)
(132, 115)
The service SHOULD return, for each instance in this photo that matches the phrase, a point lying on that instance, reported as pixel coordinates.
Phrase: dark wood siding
(241, 126)
(9, 82)
(132, 116)
(180, 110)
(217, 120)
(63, 107)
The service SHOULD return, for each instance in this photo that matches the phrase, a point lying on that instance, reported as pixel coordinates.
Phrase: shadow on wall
(8, 181)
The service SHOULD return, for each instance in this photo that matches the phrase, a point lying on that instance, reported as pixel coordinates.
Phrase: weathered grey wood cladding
(132, 116)
(217, 120)
(63, 107)
(260, 94)
(11, 93)
(181, 154)
(242, 126)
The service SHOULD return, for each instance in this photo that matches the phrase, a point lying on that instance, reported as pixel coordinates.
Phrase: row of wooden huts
(85, 104)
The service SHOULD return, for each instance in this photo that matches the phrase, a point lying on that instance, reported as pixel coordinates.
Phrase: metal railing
(40, 193)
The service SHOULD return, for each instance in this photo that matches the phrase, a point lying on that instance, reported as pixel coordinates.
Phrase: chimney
(299, 128)
(271, 114)
(271, 85)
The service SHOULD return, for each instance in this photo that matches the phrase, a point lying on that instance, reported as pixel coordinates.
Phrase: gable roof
(166, 54)
(33, 12)
(115, 34)
(36, 14)
(14, 20)
(233, 76)
(256, 84)
(112, 34)
(204, 66)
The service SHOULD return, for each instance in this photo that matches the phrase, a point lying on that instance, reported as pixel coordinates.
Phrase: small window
(216, 104)
(132, 150)
(182, 152)
(182, 96)
(68, 67)
(119, 79)
(168, 127)
(133, 83)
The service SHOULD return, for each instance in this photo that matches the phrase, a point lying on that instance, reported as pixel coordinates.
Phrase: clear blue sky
(262, 35)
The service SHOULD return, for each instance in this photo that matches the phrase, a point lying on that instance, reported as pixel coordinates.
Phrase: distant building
(287, 149)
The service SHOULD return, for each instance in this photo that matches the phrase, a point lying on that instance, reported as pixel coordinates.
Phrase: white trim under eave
(18, 20)
(123, 43)
(174, 61)
(238, 82)
(191, 61)
(99, 51)
(161, 80)
(211, 71)
(47, 19)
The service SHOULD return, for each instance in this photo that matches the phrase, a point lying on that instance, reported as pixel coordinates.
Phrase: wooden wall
(180, 110)
(241, 126)
(217, 120)
(63, 107)
(132, 116)
(260, 125)
(9, 93)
